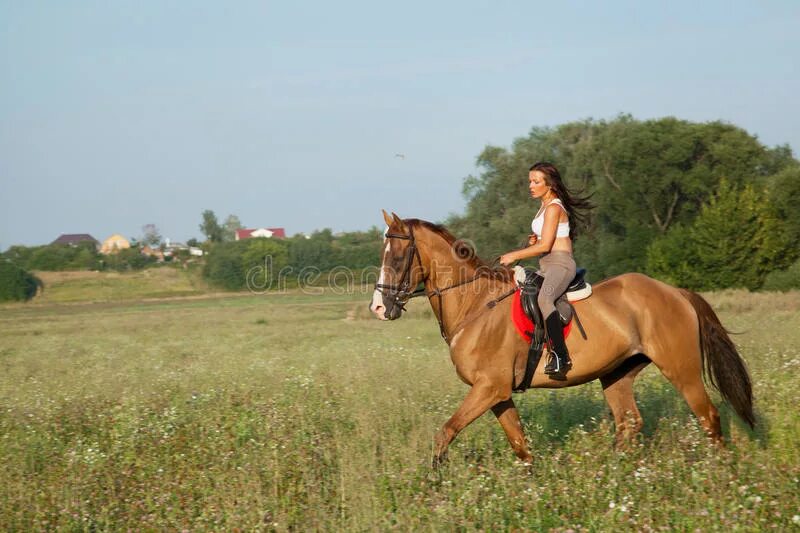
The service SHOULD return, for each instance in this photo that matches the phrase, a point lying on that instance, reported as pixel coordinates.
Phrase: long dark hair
(576, 204)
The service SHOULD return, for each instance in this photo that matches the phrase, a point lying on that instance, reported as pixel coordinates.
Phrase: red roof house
(270, 233)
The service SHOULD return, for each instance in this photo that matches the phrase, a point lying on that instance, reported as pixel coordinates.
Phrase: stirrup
(557, 364)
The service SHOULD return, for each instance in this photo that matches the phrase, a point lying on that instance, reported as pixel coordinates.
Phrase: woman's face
(538, 184)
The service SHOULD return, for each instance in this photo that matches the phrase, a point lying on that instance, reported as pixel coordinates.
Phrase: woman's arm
(543, 245)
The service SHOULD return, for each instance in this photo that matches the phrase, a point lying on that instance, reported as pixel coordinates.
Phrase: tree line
(230, 264)
(700, 205)
(225, 265)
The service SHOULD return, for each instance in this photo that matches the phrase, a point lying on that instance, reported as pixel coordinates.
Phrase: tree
(249, 263)
(150, 235)
(358, 249)
(645, 176)
(223, 267)
(210, 226)
(784, 195)
(262, 261)
(315, 250)
(20, 255)
(735, 241)
(670, 258)
(229, 228)
(55, 257)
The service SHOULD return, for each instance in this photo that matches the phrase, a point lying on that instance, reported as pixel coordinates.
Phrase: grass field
(293, 411)
(151, 283)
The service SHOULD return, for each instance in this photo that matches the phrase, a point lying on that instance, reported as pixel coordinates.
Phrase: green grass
(290, 411)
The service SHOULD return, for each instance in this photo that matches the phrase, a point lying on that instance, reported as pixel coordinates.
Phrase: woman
(553, 231)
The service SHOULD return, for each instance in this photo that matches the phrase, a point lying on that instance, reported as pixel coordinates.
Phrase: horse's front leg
(480, 398)
(508, 416)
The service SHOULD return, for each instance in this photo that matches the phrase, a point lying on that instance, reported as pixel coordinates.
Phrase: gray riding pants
(558, 269)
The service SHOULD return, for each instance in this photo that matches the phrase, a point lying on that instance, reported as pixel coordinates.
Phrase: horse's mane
(464, 251)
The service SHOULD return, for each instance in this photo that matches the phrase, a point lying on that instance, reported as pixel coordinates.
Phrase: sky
(117, 114)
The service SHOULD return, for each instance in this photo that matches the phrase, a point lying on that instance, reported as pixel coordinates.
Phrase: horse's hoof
(438, 461)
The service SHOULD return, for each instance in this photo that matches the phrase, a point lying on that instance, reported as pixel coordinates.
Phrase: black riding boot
(558, 362)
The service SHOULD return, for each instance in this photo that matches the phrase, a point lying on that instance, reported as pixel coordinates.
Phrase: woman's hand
(532, 239)
(508, 259)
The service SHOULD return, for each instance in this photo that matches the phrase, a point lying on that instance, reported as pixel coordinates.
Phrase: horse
(631, 320)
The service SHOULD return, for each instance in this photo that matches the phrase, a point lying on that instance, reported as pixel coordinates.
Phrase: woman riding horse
(552, 239)
(631, 321)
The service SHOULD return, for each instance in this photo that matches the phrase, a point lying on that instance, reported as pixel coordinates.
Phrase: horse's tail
(722, 364)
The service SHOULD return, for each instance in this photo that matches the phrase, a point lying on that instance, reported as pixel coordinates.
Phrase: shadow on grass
(729, 419)
(555, 414)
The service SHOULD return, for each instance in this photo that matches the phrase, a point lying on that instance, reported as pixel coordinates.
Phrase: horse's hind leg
(686, 375)
(694, 392)
(618, 390)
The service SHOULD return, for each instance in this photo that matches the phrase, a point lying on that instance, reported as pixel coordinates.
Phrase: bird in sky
(401, 156)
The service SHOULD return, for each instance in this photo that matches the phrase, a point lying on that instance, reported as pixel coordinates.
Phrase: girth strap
(534, 356)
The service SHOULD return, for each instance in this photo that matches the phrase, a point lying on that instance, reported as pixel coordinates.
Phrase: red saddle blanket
(524, 324)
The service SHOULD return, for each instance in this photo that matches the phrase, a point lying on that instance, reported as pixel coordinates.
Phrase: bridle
(401, 293)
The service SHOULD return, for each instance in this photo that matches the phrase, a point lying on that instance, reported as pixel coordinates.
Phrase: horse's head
(401, 269)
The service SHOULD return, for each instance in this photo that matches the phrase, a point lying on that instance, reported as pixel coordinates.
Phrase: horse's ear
(387, 218)
(399, 221)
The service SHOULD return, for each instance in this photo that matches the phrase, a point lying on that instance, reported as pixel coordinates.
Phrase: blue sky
(118, 114)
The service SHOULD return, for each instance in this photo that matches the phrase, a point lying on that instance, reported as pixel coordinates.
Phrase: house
(171, 248)
(273, 233)
(74, 239)
(152, 252)
(114, 244)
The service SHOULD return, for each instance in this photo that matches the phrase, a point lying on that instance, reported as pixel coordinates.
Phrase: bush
(324, 251)
(230, 264)
(128, 259)
(262, 262)
(223, 267)
(314, 251)
(240, 264)
(783, 280)
(20, 255)
(56, 257)
(16, 283)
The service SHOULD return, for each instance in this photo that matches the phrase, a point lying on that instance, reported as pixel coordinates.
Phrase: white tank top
(538, 222)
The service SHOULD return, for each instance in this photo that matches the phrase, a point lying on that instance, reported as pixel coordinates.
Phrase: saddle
(530, 283)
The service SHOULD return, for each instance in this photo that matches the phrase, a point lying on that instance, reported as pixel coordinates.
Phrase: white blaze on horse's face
(377, 306)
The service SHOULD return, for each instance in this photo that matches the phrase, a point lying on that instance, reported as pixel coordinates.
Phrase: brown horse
(631, 321)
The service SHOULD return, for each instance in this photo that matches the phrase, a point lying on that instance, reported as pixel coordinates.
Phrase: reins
(401, 292)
